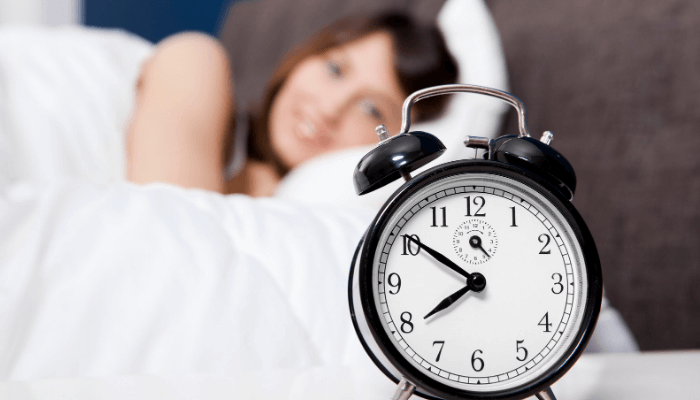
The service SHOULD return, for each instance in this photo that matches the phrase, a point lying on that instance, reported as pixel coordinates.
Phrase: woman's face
(335, 100)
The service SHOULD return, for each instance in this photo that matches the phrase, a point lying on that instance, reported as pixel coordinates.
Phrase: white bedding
(65, 99)
(102, 277)
(119, 279)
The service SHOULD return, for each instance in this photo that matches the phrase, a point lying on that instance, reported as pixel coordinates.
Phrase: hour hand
(476, 282)
(447, 301)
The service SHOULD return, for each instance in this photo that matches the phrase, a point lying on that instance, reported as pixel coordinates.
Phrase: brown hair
(421, 59)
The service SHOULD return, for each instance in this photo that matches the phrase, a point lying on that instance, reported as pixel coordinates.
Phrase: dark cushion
(618, 83)
(257, 34)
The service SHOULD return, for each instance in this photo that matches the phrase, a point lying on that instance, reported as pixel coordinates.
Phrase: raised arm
(183, 112)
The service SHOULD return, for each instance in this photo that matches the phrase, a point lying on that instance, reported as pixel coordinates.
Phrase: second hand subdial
(475, 241)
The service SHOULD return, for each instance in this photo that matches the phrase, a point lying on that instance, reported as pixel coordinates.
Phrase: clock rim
(571, 217)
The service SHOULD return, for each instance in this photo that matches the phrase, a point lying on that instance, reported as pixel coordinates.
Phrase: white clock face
(531, 307)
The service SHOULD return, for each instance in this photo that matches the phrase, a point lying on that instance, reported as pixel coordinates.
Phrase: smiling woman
(327, 95)
(333, 101)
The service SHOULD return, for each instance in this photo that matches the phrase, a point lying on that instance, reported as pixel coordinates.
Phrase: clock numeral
(476, 359)
(513, 224)
(409, 247)
(442, 344)
(396, 283)
(545, 322)
(478, 202)
(406, 322)
(518, 348)
(444, 217)
(544, 238)
(558, 283)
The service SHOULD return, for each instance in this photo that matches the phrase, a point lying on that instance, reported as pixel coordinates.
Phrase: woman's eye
(370, 109)
(334, 69)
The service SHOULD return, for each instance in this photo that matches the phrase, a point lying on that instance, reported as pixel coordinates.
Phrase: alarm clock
(477, 279)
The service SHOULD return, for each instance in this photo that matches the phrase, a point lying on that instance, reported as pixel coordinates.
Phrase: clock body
(510, 340)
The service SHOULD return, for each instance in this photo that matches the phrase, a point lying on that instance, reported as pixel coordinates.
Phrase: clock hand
(475, 242)
(442, 259)
(476, 282)
(447, 301)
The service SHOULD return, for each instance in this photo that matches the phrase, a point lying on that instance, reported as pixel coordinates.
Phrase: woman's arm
(183, 110)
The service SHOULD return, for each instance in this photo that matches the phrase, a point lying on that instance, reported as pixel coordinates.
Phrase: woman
(327, 95)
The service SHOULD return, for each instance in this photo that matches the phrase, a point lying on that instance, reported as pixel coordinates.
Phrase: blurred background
(617, 83)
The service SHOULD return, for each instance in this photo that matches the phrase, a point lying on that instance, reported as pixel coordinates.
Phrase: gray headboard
(618, 83)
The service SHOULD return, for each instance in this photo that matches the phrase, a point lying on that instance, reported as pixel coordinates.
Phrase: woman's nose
(333, 105)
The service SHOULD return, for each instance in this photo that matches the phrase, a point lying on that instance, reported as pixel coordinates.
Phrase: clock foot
(405, 390)
(546, 395)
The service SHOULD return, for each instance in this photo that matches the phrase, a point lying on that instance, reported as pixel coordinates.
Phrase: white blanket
(65, 100)
(119, 279)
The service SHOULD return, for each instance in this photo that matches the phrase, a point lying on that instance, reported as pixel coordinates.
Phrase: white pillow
(473, 40)
(66, 96)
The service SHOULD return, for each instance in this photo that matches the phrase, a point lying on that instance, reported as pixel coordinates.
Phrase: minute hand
(440, 258)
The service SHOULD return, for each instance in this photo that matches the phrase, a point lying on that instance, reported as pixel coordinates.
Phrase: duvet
(122, 279)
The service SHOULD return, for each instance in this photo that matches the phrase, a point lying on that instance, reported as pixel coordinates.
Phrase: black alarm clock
(477, 279)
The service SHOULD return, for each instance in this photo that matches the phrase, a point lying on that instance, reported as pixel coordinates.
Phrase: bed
(101, 277)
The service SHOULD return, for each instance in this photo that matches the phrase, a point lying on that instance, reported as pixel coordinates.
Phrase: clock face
(532, 305)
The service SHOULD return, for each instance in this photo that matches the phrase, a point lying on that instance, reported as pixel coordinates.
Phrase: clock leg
(546, 395)
(405, 390)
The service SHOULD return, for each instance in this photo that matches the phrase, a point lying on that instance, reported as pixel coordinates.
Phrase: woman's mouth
(307, 129)
(310, 129)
